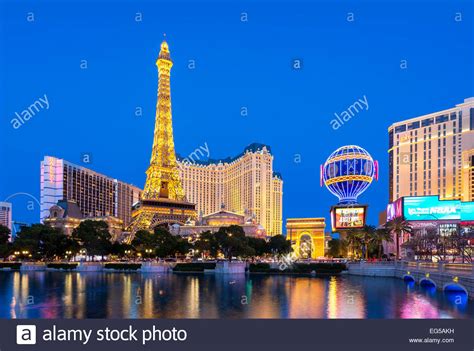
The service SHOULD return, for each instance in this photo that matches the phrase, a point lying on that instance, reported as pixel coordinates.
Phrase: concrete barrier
(90, 267)
(155, 267)
(32, 266)
(227, 267)
(440, 274)
(372, 269)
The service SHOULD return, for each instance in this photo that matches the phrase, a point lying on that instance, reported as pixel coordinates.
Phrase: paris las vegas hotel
(245, 184)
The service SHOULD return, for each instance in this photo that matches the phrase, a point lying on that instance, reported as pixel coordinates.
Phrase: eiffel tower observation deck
(163, 200)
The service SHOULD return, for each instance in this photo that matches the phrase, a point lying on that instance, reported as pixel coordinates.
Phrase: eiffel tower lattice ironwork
(163, 200)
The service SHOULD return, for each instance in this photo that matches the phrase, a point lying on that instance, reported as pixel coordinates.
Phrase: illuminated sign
(347, 217)
(447, 229)
(429, 208)
(395, 209)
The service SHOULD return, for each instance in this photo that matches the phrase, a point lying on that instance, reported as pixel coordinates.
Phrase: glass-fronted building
(95, 194)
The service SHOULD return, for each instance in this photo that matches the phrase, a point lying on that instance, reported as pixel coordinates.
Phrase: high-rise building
(6, 215)
(245, 184)
(95, 194)
(433, 154)
(467, 175)
(163, 200)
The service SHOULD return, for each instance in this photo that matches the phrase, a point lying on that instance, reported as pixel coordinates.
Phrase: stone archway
(307, 236)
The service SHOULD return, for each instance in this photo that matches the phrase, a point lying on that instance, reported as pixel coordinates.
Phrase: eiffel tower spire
(162, 175)
(163, 200)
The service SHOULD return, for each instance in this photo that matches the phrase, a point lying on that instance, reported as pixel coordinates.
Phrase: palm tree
(367, 235)
(398, 226)
(380, 235)
(354, 240)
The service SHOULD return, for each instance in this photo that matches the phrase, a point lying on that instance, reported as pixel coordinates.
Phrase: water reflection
(134, 295)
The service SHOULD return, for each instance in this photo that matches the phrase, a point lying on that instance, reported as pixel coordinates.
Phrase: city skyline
(189, 161)
(233, 112)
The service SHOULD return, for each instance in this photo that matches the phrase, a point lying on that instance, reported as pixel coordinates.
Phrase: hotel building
(245, 184)
(433, 154)
(6, 215)
(95, 194)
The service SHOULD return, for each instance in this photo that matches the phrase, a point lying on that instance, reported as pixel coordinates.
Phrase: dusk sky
(405, 59)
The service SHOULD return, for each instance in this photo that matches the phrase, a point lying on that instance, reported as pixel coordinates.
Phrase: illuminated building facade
(95, 194)
(433, 154)
(6, 215)
(431, 214)
(467, 175)
(66, 215)
(307, 236)
(245, 184)
(214, 221)
(163, 200)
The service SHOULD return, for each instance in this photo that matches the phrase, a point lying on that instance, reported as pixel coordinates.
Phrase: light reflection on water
(135, 295)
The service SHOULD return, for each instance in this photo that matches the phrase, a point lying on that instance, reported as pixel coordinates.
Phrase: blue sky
(237, 64)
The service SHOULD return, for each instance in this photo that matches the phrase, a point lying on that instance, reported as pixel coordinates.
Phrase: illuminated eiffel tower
(163, 200)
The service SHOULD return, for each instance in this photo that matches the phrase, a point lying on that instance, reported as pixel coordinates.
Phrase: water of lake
(137, 295)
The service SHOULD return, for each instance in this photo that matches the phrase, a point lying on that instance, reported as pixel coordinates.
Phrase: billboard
(395, 209)
(343, 217)
(429, 208)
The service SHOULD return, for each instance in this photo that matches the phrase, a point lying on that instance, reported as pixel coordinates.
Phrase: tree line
(367, 242)
(424, 243)
(92, 238)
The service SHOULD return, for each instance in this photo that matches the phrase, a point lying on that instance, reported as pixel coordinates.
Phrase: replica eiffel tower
(163, 201)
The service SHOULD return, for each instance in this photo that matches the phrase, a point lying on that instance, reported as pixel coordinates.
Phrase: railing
(372, 263)
(458, 268)
(465, 269)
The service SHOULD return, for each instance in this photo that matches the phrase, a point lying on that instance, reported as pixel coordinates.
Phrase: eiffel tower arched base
(151, 213)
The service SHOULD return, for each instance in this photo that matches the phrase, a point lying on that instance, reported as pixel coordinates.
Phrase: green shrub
(123, 266)
(11, 265)
(67, 266)
(194, 267)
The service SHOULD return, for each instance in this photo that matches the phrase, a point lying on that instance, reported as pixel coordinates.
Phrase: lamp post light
(148, 252)
(68, 253)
